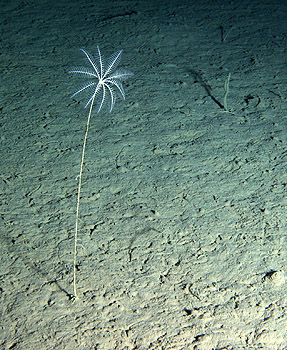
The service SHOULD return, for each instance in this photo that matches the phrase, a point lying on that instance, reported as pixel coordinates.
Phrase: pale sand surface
(183, 226)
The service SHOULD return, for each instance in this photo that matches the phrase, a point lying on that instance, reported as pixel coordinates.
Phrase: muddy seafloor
(183, 235)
